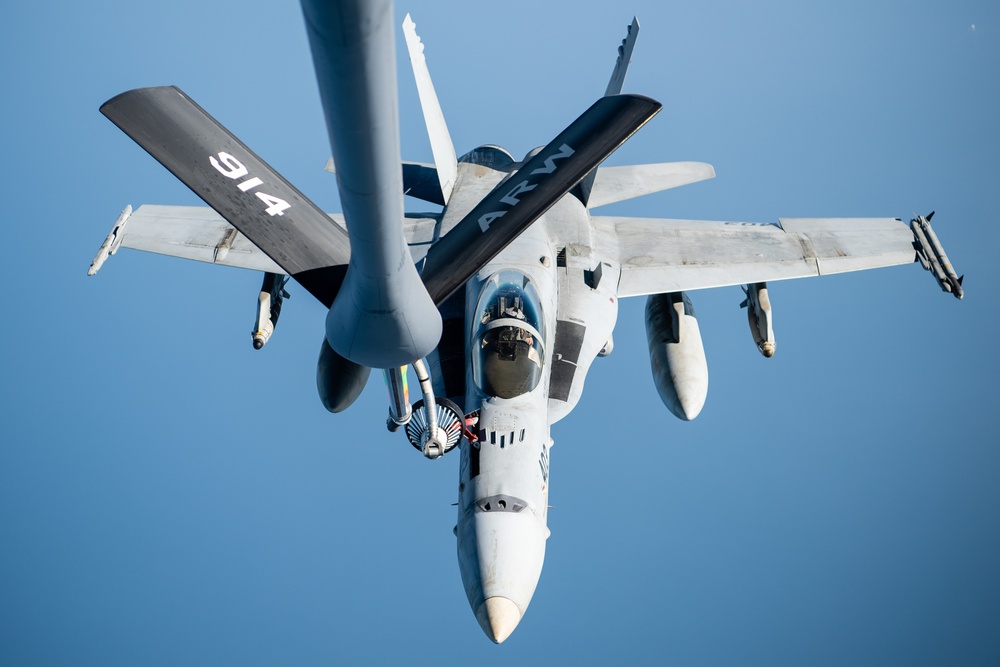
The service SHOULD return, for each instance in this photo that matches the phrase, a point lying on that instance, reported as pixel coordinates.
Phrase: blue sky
(170, 496)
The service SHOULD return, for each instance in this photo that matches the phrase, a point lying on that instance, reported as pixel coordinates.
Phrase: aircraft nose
(498, 617)
(500, 555)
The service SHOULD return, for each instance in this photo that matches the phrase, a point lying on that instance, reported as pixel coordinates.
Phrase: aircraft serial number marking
(232, 168)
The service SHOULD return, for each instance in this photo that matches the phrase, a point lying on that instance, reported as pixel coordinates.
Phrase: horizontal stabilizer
(540, 182)
(615, 184)
(233, 180)
(420, 181)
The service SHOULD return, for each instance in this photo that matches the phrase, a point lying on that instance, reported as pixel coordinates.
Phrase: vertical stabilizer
(624, 58)
(586, 186)
(444, 152)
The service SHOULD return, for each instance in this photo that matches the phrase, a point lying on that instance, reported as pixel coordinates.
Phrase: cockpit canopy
(508, 350)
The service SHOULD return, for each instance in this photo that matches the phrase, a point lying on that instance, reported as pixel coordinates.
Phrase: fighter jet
(498, 304)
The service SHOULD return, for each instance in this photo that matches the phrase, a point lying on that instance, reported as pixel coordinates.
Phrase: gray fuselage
(535, 318)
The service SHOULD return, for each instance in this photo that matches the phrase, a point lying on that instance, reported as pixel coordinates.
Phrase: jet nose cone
(498, 617)
(500, 555)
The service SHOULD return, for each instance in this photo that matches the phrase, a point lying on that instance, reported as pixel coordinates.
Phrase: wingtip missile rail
(111, 243)
(931, 255)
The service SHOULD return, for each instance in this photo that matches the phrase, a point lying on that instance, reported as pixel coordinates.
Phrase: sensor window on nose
(500, 503)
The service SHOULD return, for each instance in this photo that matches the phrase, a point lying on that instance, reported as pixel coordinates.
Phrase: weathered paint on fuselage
(504, 473)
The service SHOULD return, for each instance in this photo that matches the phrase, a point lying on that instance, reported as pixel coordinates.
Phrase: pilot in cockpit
(508, 359)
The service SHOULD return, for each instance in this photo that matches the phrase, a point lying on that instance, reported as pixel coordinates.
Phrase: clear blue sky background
(170, 496)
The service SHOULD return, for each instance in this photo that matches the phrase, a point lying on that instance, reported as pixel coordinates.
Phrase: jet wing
(201, 234)
(189, 232)
(660, 255)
